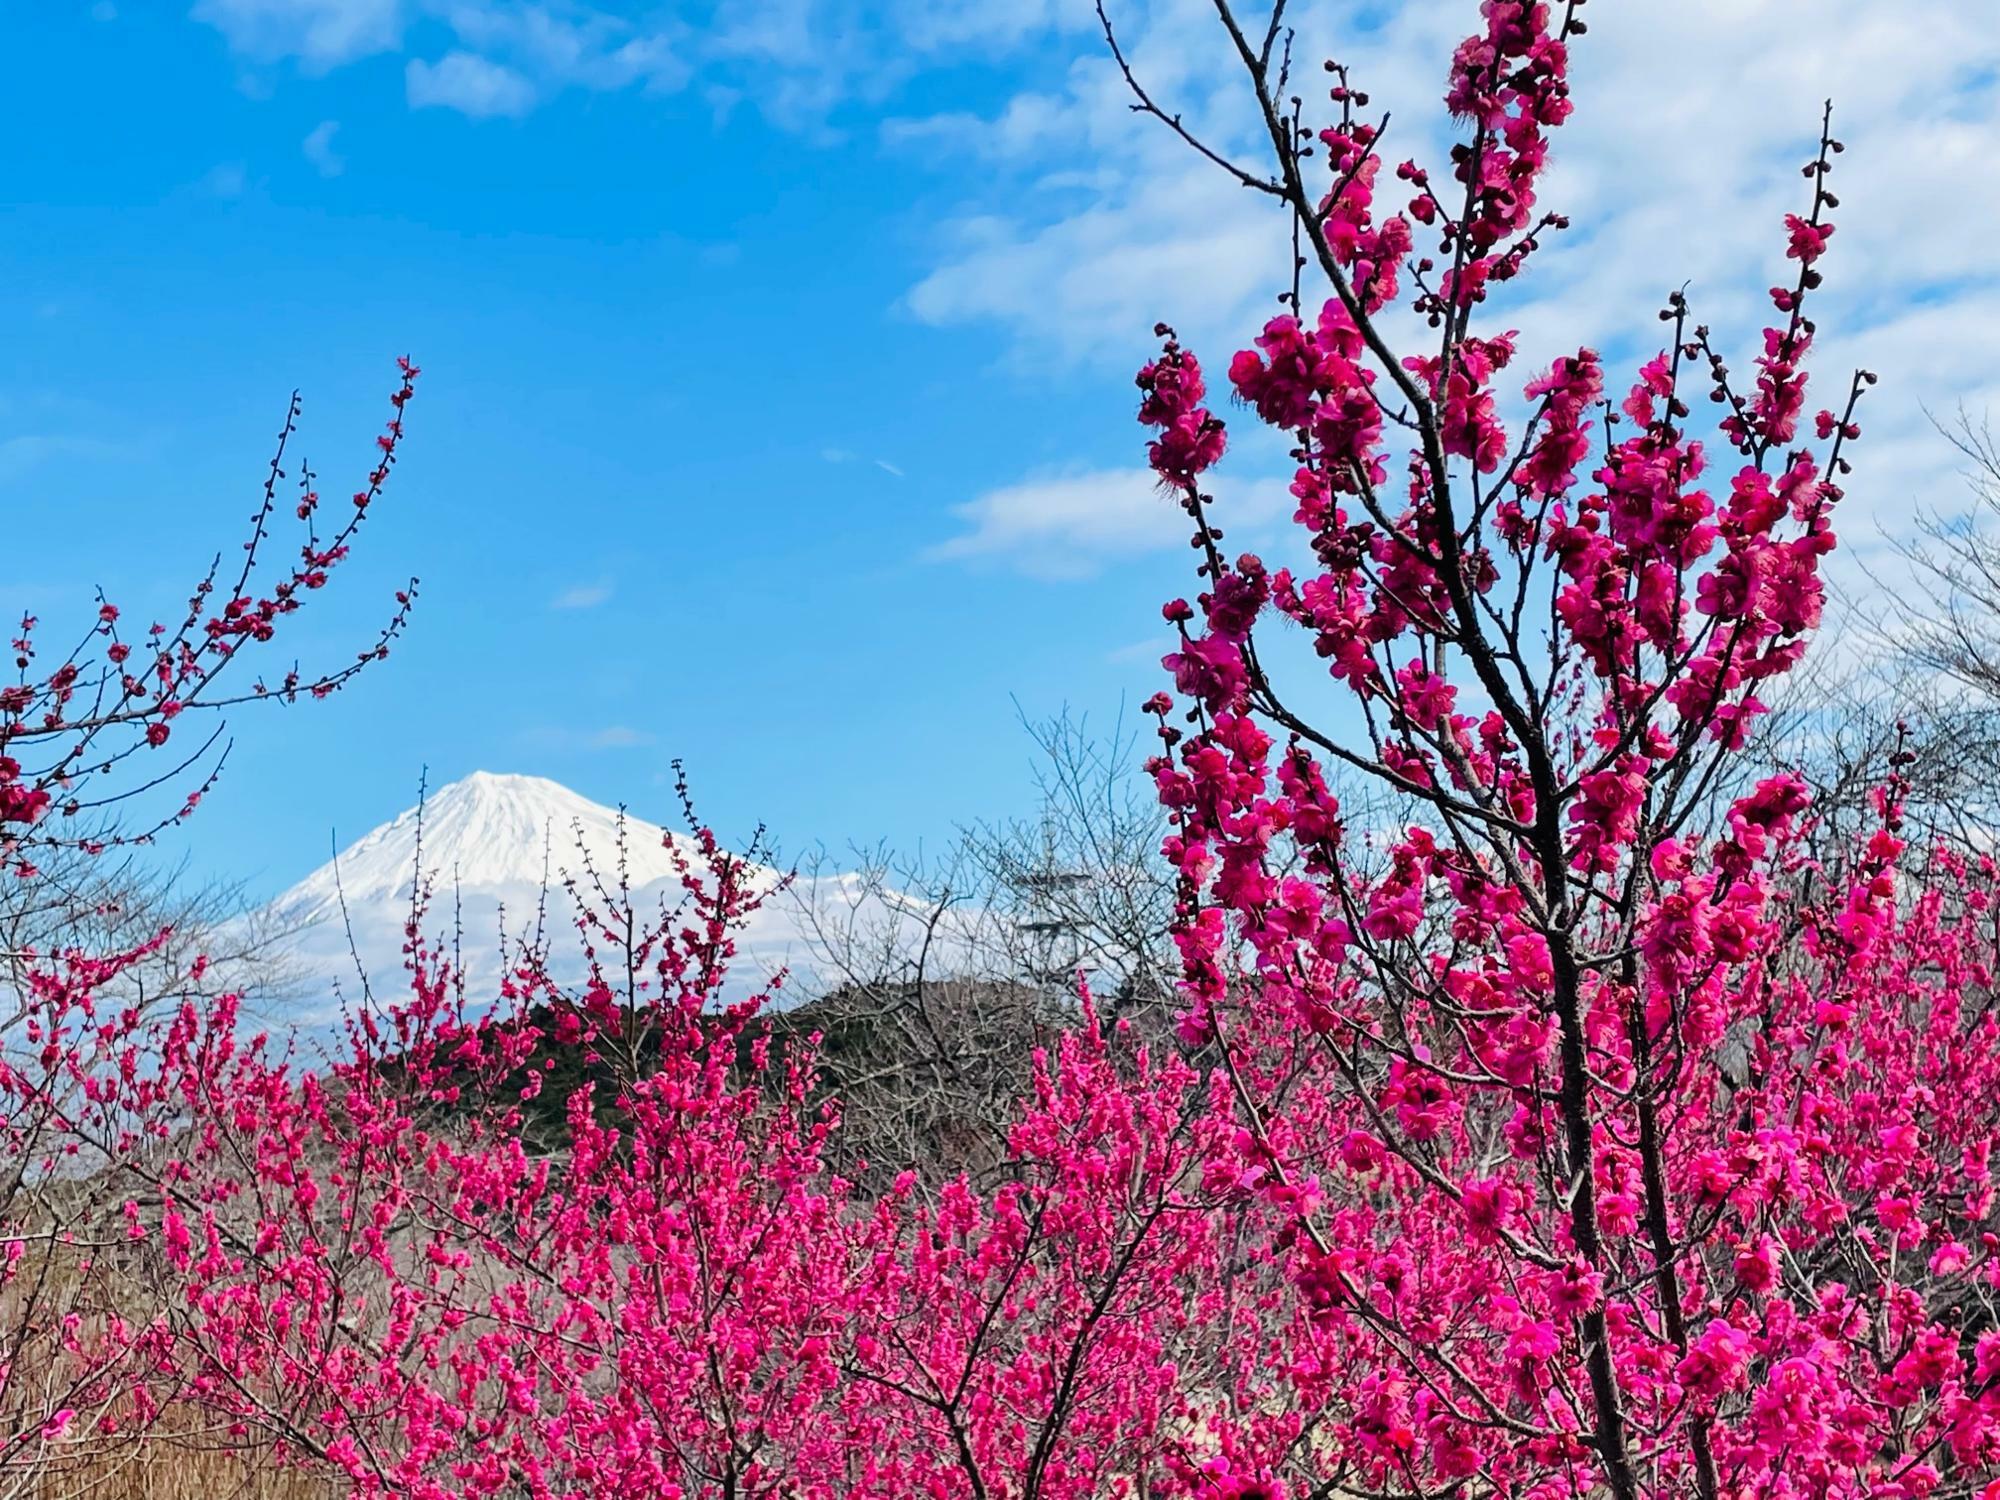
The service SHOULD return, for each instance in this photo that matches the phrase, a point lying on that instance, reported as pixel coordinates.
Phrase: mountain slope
(492, 831)
(496, 850)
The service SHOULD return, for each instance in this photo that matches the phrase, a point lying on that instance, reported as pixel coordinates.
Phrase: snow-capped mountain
(487, 832)
(496, 850)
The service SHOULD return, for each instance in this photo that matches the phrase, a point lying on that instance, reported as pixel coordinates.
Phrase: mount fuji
(496, 850)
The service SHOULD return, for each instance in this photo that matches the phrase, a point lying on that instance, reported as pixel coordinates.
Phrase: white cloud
(22, 455)
(1693, 118)
(582, 596)
(503, 58)
(618, 737)
(1092, 284)
(591, 49)
(318, 149)
(321, 34)
(795, 60)
(225, 180)
(985, 26)
(1068, 526)
(1030, 122)
(1149, 651)
(798, 59)
(610, 737)
(471, 84)
(804, 55)
(849, 456)
(1085, 223)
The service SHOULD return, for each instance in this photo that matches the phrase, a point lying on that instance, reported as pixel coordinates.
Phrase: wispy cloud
(1068, 526)
(318, 149)
(320, 34)
(618, 737)
(22, 455)
(571, 45)
(501, 58)
(568, 737)
(1911, 291)
(225, 180)
(1149, 650)
(795, 61)
(582, 596)
(471, 84)
(849, 456)
(1029, 123)
(1088, 224)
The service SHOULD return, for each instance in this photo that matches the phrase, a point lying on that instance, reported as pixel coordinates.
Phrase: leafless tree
(933, 979)
(1952, 622)
(1075, 888)
(121, 899)
(1839, 726)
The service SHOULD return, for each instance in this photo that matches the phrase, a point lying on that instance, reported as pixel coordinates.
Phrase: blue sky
(678, 458)
(777, 407)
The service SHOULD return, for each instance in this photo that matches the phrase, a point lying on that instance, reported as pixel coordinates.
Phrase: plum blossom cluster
(115, 695)
(1563, 1133)
(1594, 1115)
(1297, 1257)
(364, 1271)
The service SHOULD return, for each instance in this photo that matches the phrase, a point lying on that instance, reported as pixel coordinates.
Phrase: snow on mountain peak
(491, 832)
(492, 845)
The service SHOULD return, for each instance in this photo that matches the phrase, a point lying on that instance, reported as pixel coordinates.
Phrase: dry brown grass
(63, 1289)
(161, 1469)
